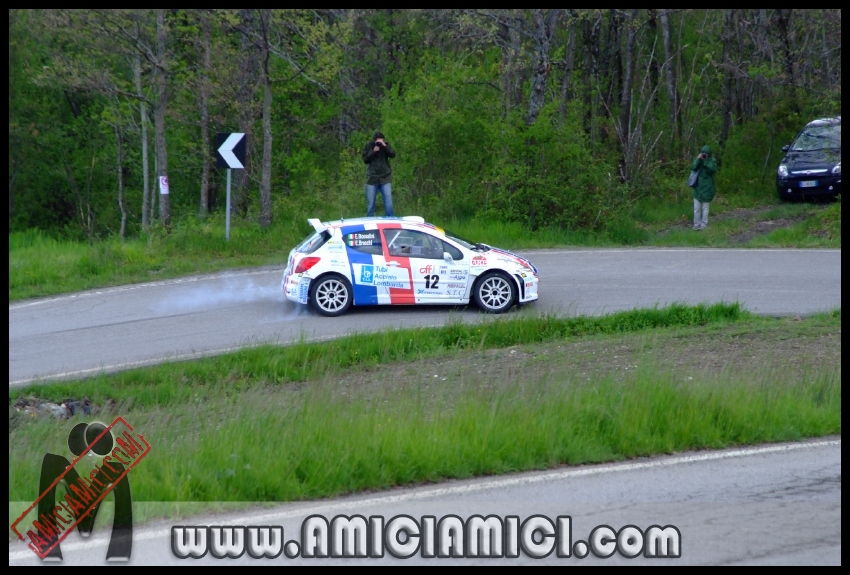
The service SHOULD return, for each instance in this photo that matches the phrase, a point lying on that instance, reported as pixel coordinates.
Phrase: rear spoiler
(317, 225)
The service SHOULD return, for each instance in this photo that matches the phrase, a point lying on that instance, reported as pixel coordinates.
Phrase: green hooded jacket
(704, 190)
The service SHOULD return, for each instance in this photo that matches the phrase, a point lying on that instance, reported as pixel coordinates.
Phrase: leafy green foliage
(448, 88)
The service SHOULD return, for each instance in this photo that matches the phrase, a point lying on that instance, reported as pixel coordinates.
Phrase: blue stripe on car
(363, 294)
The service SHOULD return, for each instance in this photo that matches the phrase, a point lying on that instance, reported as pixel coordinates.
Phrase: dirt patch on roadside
(787, 347)
(765, 226)
(736, 214)
(753, 221)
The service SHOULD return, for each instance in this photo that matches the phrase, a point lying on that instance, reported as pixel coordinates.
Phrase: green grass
(172, 383)
(253, 448)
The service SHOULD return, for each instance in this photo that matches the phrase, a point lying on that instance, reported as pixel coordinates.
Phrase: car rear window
(818, 138)
(313, 242)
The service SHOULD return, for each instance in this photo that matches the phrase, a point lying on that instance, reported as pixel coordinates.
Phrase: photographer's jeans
(700, 214)
(386, 194)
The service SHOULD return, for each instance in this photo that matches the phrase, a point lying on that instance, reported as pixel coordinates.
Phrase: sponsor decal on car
(520, 260)
(458, 277)
(381, 276)
(303, 289)
(362, 239)
(426, 270)
(335, 246)
(455, 293)
(456, 286)
(478, 261)
(428, 292)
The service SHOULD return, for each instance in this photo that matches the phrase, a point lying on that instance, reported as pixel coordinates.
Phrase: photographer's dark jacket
(704, 190)
(378, 170)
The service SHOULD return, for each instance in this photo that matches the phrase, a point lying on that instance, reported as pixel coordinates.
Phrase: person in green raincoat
(704, 190)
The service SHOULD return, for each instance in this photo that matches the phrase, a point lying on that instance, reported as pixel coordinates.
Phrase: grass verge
(171, 383)
(448, 414)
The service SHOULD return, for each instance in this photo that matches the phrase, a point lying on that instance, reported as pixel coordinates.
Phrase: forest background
(549, 119)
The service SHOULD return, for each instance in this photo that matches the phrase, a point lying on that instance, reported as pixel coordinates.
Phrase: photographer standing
(704, 188)
(376, 156)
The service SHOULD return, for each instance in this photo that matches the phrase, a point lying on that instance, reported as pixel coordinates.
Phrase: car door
(454, 272)
(365, 255)
(435, 278)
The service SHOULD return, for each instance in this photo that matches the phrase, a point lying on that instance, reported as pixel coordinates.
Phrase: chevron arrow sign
(231, 150)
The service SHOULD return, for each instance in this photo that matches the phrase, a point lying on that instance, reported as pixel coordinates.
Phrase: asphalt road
(117, 328)
(769, 505)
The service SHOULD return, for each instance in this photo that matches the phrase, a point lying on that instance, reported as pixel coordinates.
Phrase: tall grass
(169, 384)
(265, 447)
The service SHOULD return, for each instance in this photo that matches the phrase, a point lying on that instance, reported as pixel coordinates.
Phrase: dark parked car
(812, 163)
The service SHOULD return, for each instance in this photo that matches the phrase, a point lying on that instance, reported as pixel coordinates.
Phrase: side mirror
(447, 257)
(786, 147)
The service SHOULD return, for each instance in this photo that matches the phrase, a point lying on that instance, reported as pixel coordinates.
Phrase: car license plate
(809, 184)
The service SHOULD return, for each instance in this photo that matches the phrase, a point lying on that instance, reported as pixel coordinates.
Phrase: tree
(670, 75)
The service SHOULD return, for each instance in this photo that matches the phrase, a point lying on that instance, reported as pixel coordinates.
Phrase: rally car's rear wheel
(495, 292)
(331, 295)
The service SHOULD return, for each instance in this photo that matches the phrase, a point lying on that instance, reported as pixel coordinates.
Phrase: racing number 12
(432, 281)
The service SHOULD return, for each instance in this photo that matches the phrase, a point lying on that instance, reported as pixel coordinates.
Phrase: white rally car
(402, 261)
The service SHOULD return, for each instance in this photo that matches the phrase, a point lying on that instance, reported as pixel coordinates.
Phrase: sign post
(231, 155)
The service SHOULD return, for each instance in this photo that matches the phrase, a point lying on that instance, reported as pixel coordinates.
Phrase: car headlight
(782, 172)
(837, 169)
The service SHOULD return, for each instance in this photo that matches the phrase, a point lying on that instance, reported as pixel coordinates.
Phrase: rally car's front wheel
(495, 292)
(331, 295)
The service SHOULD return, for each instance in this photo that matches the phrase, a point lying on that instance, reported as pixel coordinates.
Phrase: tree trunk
(510, 42)
(610, 67)
(628, 74)
(266, 179)
(119, 139)
(590, 26)
(245, 104)
(204, 206)
(783, 19)
(568, 71)
(728, 96)
(654, 72)
(143, 112)
(670, 71)
(159, 118)
(544, 25)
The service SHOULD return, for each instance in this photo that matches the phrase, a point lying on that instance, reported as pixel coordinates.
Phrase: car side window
(367, 242)
(411, 243)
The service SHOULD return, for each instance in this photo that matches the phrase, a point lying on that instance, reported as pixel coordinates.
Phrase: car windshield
(818, 138)
(468, 244)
